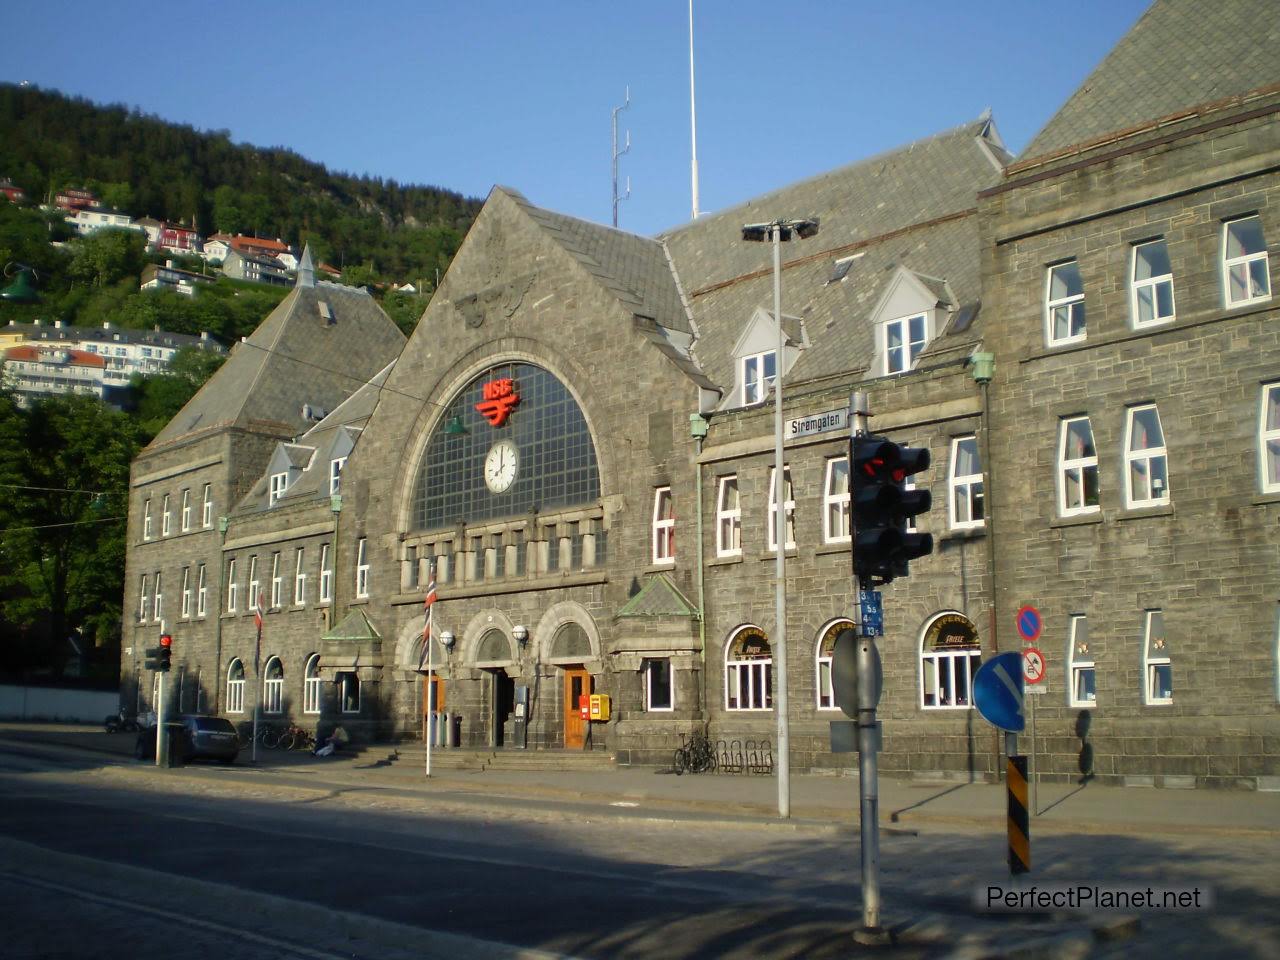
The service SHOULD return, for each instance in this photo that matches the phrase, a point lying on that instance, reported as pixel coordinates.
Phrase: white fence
(52, 703)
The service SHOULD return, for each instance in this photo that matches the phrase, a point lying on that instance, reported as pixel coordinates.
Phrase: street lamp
(779, 232)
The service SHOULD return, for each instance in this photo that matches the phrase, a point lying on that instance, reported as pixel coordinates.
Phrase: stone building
(576, 449)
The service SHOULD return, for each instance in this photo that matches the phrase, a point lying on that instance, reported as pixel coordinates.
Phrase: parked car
(200, 738)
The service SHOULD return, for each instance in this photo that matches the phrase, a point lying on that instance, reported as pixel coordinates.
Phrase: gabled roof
(659, 597)
(354, 626)
(1180, 54)
(294, 357)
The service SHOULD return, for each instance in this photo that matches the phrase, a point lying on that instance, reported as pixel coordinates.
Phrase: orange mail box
(584, 707)
(599, 706)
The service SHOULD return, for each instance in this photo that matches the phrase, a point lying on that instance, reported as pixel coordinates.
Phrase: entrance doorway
(502, 695)
(577, 683)
(432, 699)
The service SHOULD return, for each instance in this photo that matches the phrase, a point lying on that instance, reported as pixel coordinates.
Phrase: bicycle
(297, 738)
(696, 756)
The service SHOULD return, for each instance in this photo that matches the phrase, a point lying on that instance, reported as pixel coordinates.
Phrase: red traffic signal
(166, 640)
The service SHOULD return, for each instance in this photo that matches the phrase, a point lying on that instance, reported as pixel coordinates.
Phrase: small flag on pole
(427, 604)
(257, 622)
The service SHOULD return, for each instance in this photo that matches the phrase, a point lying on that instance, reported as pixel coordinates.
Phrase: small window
(335, 474)
(312, 685)
(235, 687)
(164, 516)
(1145, 459)
(1077, 468)
(1246, 273)
(1083, 690)
(748, 671)
(202, 594)
(186, 592)
(326, 575)
(1157, 666)
(1269, 438)
(657, 685)
(664, 527)
(835, 501)
(273, 687)
(206, 516)
(950, 654)
(789, 509)
(144, 599)
(904, 338)
(349, 692)
(1064, 304)
(1152, 284)
(728, 519)
(840, 269)
(277, 581)
(758, 374)
(279, 483)
(966, 504)
(299, 577)
(255, 587)
(186, 510)
(157, 601)
(232, 586)
(362, 568)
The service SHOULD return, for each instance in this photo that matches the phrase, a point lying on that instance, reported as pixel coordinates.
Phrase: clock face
(501, 466)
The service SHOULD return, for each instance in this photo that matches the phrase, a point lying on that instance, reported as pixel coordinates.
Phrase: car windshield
(213, 724)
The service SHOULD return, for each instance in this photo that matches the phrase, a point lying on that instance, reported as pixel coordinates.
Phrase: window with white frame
(233, 588)
(312, 685)
(146, 519)
(186, 510)
(1077, 468)
(335, 474)
(758, 373)
(1157, 668)
(835, 501)
(186, 592)
(1151, 290)
(966, 503)
(277, 581)
(658, 692)
(1146, 460)
(206, 511)
(273, 687)
(326, 575)
(903, 340)
(144, 599)
(788, 505)
(664, 527)
(950, 654)
(157, 601)
(255, 586)
(824, 650)
(1081, 673)
(1246, 273)
(299, 577)
(349, 692)
(728, 518)
(1269, 438)
(164, 516)
(1064, 304)
(362, 568)
(202, 593)
(235, 687)
(279, 483)
(748, 671)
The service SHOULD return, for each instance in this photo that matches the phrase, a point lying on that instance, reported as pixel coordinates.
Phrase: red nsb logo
(500, 398)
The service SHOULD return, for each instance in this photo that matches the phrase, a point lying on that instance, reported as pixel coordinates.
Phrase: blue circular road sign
(998, 692)
(1029, 623)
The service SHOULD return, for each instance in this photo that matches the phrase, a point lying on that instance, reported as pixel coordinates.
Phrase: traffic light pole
(162, 742)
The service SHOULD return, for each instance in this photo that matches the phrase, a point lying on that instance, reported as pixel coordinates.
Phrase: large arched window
(823, 650)
(513, 440)
(748, 670)
(311, 685)
(273, 687)
(950, 654)
(235, 686)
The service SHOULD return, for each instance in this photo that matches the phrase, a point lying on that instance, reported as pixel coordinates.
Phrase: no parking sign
(1029, 623)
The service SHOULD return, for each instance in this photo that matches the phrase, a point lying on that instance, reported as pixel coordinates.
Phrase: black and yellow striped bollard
(1019, 818)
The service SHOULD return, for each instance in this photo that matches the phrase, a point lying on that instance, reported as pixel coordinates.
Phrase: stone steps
(448, 759)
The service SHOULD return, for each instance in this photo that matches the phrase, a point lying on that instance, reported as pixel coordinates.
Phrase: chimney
(169, 264)
(106, 325)
(156, 328)
(204, 334)
(57, 324)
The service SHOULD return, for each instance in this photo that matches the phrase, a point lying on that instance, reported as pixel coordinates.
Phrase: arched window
(311, 685)
(823, 649)
(494, 648)
(570, 643)
(748, 671)
(273, 687)
(235, 687)
(950, 655)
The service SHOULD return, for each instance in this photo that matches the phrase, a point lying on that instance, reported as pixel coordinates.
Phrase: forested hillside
(149, 167)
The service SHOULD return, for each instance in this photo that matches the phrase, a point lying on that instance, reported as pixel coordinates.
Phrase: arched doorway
(570, 644)
(493, 657)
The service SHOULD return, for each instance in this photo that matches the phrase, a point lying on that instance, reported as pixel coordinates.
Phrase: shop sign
(500, 398)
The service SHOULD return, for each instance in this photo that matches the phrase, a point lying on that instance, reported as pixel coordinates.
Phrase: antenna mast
(693, 117)
(617, 153)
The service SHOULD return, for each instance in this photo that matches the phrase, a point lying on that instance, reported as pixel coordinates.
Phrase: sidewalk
(818, 800)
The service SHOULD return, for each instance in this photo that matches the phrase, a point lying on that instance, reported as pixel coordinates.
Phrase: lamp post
(779, 232)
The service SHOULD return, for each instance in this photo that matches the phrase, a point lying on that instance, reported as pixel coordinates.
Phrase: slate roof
(1181, 53)
(294, 357)
(659, 597)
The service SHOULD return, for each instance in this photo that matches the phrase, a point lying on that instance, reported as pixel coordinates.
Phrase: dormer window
(335, 474)
(758, 374)
(279, 483)
(902, 340)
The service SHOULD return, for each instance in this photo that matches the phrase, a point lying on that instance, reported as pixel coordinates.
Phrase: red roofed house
(11, 191)
(32, 370)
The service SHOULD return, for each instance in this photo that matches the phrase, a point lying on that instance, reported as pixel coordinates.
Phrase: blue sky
(468, 93)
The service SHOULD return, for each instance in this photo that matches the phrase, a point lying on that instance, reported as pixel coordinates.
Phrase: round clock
(501, 466)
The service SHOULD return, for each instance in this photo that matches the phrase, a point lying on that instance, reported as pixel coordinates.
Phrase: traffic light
(159, 658)
(881, 506)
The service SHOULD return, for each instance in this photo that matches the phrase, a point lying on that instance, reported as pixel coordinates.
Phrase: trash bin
(176, 739)
(455, 730)
(442, 729)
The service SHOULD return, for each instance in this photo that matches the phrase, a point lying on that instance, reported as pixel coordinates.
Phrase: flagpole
(257, 674)
(429, 602)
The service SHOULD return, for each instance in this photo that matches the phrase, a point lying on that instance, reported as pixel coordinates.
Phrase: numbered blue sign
(872, 613)
(997, 692)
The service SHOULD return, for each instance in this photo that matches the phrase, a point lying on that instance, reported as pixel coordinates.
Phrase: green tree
(117, 195)
(158, 399)
(227, 217)
(106, 257)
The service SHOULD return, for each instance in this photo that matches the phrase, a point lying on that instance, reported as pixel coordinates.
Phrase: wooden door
(577, 682)
(432, 697)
